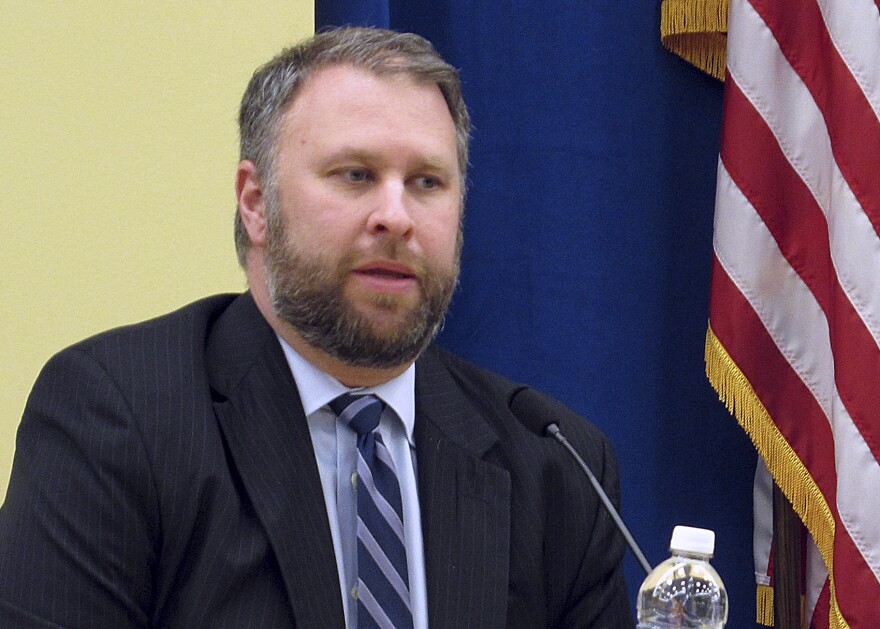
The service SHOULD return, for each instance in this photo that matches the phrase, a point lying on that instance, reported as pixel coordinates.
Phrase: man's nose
(391, 214)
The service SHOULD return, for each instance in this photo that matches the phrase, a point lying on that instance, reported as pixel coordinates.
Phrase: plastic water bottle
(684, 591)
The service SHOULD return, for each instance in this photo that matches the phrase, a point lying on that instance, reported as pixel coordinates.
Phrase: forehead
(343, 101)
(348, 78)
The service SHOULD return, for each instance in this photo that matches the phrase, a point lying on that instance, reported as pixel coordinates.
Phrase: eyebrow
(438, 163)
(431, 162)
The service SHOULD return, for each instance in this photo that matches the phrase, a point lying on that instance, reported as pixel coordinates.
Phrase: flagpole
(788, 535)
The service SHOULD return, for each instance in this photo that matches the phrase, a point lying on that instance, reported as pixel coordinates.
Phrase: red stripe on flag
(852, 124)
(766, 178)
(788, 401)
(764, 175)
(857, 590)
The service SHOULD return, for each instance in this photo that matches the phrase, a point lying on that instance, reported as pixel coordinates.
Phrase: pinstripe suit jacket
(164, 477)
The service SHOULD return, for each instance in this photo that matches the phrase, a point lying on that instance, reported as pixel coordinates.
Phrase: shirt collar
(317, 388)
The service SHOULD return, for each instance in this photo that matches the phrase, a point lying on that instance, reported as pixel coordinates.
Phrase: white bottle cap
(687, 539)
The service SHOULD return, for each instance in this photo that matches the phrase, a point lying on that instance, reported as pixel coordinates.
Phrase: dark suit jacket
(164, 477)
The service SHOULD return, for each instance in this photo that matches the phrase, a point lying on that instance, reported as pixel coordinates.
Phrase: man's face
(363, 225)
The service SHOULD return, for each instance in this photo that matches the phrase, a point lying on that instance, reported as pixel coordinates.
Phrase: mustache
(390, 251)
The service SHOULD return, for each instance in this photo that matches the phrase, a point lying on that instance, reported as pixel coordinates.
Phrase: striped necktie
(383, 580)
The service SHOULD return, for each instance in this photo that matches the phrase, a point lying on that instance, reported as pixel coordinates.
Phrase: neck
(350, 375)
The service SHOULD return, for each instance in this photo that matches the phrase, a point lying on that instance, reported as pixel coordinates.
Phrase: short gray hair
(274, 86)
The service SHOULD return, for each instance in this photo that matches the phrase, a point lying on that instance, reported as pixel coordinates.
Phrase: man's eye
(356, 175)
(427, 183)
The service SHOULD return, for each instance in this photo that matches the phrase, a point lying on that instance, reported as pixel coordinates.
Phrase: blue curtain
(588, 244)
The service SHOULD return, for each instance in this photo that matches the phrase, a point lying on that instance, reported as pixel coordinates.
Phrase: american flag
(793, 345)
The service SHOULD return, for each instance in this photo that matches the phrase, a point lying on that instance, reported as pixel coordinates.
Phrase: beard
(308, 292)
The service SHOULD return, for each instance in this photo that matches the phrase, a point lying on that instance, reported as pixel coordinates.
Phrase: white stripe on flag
(854, 27)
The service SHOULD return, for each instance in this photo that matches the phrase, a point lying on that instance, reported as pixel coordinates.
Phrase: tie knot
(361, 412)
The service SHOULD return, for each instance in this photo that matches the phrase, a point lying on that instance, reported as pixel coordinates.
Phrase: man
(209, 468)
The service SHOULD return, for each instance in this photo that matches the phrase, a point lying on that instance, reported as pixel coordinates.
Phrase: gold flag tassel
(765, 605)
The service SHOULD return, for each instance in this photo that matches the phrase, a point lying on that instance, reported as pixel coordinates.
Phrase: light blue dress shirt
(335, 446)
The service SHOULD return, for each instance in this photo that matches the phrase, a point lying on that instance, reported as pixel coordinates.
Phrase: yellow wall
(118, 147)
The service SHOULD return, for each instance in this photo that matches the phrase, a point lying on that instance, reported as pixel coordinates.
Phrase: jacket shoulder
(147, 363)
(494, 395)
(195, 318)
(472, 376)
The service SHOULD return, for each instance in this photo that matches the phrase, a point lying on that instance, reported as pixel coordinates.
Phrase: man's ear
(251, 202)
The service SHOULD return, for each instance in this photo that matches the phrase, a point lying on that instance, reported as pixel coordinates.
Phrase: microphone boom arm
(552, 430)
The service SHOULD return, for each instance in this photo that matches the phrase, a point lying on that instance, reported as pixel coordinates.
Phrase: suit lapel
(465, 505)
(261, 416)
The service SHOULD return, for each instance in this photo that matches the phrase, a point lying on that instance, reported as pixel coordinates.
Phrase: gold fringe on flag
(765, 605)
(696, 30)
(788, 471)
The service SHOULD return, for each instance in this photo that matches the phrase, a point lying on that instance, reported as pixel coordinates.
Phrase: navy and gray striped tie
(383, 580)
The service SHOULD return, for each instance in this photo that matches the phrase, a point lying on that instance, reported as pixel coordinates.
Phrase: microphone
(537, 412)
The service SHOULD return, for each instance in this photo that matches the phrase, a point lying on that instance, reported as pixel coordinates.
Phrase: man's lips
(387, 276)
